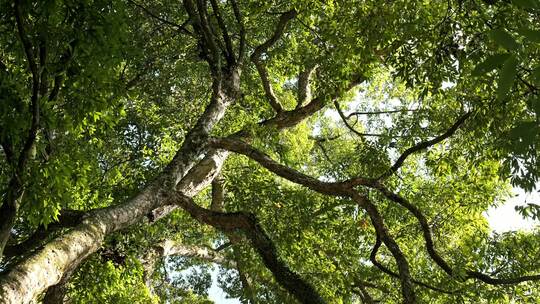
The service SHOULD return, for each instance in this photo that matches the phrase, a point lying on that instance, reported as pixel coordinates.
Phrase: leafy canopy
(124, 81)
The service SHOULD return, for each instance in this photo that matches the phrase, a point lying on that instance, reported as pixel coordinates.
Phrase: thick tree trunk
(47, 266)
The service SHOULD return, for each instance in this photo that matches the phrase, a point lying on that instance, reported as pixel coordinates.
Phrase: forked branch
(261, 68)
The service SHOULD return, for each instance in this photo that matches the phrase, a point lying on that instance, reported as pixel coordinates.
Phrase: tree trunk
(47, 266)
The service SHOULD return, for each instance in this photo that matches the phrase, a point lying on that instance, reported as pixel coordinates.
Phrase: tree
(320, 152)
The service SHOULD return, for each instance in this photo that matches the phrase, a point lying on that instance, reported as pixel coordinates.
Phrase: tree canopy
(337, 151)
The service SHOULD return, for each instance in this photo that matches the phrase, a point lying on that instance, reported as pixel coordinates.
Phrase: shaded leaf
(531, 35)
(527, 3)
(536, 74)
(492, 62)
(504, 39)
(506, 77)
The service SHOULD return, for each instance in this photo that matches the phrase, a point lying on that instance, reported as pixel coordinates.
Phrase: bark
(304, 89)
(56, 294)
(47, 266)
(218, 194)
(66, 219)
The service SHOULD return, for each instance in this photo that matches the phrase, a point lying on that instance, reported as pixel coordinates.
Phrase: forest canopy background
(140, 139)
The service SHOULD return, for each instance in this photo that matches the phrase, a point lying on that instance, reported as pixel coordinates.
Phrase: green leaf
(524, 130)
(534, 105)
(504, 39)
(531, 35)
(492, 62)
(527, 3)
(536, 74)
(506, 77)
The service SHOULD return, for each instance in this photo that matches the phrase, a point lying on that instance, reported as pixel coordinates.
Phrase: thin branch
(278, 32)
(65, 60)
(223, 246)
(532, 88)
(352, 129)
(217, 204)
(259, 50)
(179, 27)
(28, 49)
(426, 230)
(324, 139)
(288, 119)
(329, 188)
(66, 219)
(324, 152)
(373, 259)
(240, 21)
(267, 86)
(229, 52)
(367, 284)
(423, 223)
(424, 145)
(44, 79)
(364, 294)
(377, 221)
(200, 18)
(380, 112)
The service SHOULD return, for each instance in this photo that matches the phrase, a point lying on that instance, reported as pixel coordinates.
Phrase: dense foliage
(366, 141)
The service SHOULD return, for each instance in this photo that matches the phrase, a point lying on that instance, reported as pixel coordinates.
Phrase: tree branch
(66, 219)
(198, 17)
(256, 58)
(249, 224)
(430, 246)
(34, 103)
(218, 194)
(179, 27)
(240, 21)
(379, 112)
(32, 276)
(267, 86)
(304, 90)
(229, 52)
(373, 259)
(424, 145)
(352, 129)
(329, 188)
(278, 32)
(288, 119)
(407, 288)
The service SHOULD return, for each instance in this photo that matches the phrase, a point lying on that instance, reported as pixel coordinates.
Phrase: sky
(506, 218)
